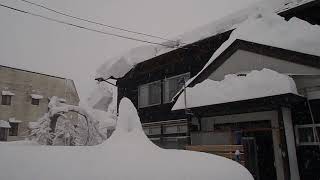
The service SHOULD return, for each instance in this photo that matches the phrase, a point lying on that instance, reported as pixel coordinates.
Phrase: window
(35, 101)
(150, 94)
(306, 134)
(156, 130)
(6, 100)
(172, 86)
(14, 129)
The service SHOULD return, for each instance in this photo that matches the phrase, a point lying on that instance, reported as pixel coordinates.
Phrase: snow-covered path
(128, 154)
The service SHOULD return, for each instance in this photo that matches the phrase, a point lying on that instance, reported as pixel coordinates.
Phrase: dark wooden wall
(191, 59)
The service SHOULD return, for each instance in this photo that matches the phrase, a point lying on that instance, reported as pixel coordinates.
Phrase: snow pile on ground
(128, 154)
(117, 67)
(255, 84)
(272, 30)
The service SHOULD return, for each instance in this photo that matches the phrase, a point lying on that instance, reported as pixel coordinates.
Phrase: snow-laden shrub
(55, 127)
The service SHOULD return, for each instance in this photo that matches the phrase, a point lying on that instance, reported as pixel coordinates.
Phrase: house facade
(25, 97)
(281, 130)
(276, 134)
(152, 83)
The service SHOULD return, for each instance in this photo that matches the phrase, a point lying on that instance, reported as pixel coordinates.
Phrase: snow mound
(128, 154)
(117, 67)
(255, 84)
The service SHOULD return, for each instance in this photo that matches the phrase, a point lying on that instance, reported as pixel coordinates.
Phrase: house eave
(250, 105)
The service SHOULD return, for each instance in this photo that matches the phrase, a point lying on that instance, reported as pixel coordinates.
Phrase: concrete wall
(244, 61)
(23, 84)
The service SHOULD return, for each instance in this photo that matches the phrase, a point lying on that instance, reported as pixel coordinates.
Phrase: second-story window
(150, 94)
(6, 97)
(172, 85)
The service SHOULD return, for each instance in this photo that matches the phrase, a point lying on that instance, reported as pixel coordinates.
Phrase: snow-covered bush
(55, 127)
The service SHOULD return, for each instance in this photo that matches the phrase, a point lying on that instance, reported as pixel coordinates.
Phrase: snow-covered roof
(14, 120)
(4, 124)
(117, 67)
(36, 96)
(127, 155)
(255, 84)
(270, 29)
(7, 93)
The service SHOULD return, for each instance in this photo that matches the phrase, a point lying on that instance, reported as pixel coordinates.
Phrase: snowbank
(272, 30)
(117, 67)
(255, 84)
(128, 154)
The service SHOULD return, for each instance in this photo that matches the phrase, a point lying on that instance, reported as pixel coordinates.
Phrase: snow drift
(128, 154)
(255, 84)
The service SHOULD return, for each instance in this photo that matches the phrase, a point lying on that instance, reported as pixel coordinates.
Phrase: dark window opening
(14, 129)
(3, 134)
(35, 101)
(6, 100)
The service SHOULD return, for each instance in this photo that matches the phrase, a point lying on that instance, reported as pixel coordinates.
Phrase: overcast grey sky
(34, 44)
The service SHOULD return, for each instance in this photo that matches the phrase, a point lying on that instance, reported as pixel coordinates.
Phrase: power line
(83, 27)
(95, 22)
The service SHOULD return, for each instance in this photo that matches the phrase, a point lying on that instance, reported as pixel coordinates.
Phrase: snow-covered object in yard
(4, 124)
(128, 154)
(255, 84)
(272, 30)
(117, 67)
(7, 93)
(36, 96)
(100, 98)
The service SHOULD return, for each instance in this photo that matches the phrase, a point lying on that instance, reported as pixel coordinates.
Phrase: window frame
(3, 102)
(313, 127)
(148, 84)
(164, 86)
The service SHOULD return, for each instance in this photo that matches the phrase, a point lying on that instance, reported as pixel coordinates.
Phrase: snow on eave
(36, 96)
(117, 67)
(7, 93)
(255, 84)
(14, 120)
(4, 124)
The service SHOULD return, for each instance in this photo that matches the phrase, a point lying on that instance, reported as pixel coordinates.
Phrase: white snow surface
(36, 96)
(14, 120)
(232, 88)
(270, 29)
(4, 124)
(100, 98)
(7, 93)
(117, 67)
(128, 154)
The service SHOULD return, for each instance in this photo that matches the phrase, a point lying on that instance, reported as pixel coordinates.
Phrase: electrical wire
(83, 27)
(95, 22)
